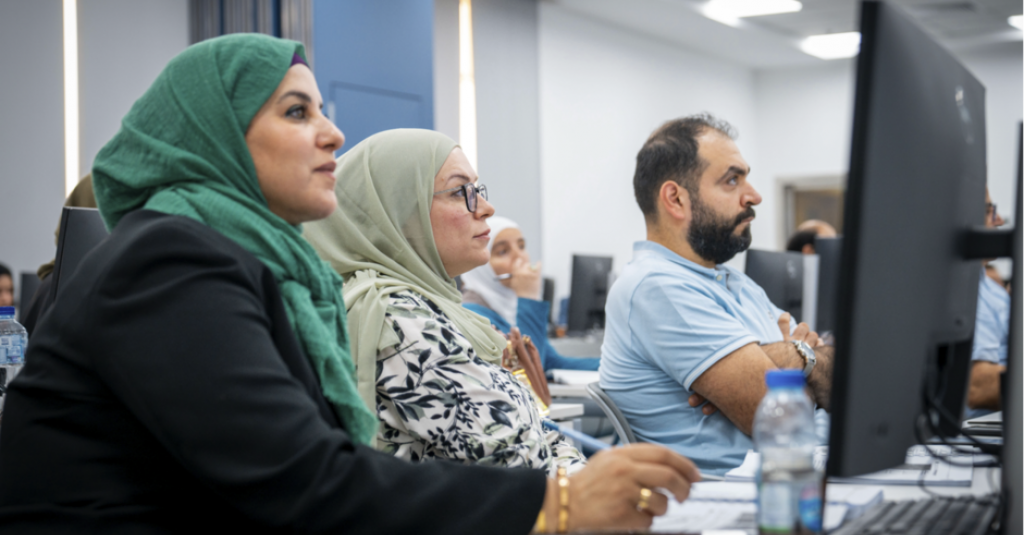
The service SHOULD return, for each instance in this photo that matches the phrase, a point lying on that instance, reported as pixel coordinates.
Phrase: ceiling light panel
(833, 45)
(731, 11)
(1015, 21)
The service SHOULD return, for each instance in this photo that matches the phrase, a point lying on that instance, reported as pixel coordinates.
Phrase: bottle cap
(6, 311)
(784, 378)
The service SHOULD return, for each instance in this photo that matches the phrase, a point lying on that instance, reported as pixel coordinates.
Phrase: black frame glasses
(469, 192)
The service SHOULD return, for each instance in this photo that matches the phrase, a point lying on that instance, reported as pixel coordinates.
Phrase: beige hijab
(380, 240)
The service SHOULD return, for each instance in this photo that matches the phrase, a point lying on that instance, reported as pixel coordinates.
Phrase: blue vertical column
(374, 63)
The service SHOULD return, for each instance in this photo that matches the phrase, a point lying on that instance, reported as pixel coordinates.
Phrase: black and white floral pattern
(437, 399)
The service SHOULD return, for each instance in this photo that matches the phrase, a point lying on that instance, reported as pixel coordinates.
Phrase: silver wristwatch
(807, 353)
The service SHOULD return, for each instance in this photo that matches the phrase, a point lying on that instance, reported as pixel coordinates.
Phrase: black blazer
(165, 392)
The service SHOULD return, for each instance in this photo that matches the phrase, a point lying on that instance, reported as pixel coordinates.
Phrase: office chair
(619, 422)
(29, 284)
(81, 230)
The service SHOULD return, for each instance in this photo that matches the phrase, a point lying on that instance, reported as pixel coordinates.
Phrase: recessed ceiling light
(1015, 21)
(730, 11)
(832, 45)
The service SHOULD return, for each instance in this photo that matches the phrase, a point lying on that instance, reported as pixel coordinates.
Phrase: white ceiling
(773, 41)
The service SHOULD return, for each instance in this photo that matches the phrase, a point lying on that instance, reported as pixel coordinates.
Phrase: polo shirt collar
(720, 274)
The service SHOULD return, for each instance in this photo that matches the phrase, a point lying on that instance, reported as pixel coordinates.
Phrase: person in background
(802, 240)
(681, 327)
(515, 301)
(196, 370)
(82, 197)
(991, 334)
(6, 287)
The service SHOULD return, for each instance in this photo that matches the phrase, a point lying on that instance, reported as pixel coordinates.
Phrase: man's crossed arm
(735, 384)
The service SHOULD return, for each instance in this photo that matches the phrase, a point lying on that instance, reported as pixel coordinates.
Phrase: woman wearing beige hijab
(428, 365)
(411, 217)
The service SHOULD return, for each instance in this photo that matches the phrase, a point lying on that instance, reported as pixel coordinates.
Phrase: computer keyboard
(968, 515)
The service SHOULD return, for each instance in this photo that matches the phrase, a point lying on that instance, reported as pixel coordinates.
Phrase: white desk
(568, 391)
(984, 481)
(703, 515)
(565, 411)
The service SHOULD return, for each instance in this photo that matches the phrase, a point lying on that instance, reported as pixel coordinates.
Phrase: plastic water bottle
(789, 488)
(13, 340)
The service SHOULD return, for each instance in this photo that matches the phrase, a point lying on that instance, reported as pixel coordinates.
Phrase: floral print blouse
(437, 399)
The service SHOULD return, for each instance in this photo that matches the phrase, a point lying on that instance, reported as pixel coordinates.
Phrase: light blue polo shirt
(991, 328)
(667, 320)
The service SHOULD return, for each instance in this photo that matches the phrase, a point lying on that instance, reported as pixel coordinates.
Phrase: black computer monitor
(830, 252)
(81, 230)
(908, 288)
(1011, 396)
(589, 291)
(781, 276)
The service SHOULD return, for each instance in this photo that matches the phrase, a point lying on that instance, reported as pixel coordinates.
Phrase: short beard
(713, 238)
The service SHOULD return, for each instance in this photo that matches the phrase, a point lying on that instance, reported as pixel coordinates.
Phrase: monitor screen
(829, 252)
(590, 282)
(783, 277)
(1011, 397)
(907, 293)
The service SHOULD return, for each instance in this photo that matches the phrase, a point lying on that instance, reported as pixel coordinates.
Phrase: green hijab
(181, 150)
(381, 241)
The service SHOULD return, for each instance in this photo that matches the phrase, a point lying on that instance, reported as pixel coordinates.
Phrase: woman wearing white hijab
(514, 301)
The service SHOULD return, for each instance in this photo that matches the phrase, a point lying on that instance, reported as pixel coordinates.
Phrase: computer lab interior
(551, 99)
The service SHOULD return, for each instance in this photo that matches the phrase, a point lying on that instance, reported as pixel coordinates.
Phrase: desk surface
(565, 411)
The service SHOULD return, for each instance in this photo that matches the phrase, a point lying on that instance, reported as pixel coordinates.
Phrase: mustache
(749, 212)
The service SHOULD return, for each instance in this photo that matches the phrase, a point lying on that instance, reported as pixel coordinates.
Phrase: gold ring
(645, 499)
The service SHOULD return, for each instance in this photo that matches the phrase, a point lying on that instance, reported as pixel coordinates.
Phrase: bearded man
(687, 339)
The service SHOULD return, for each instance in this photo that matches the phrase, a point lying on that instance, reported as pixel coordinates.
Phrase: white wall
(804, 120)
(31, 132)
(446, 67)
(508, 115)
(603, 90)
(1001, 72)
(123, 46)
(505, 50)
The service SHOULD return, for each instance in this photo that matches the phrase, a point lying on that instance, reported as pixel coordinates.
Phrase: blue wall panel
(374, 63)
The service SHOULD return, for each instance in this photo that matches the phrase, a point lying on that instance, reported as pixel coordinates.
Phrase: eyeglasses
(470, 192)
(990, 212)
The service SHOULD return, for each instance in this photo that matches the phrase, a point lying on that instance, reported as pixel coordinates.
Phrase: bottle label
(11, 351)
(775, 512)
(810, 507)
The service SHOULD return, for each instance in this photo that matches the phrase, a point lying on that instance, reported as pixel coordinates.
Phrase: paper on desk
(575, 377)
(937, 473)
(704, 516)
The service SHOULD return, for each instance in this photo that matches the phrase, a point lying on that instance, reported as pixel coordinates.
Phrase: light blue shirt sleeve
(991, 326)
(686, 328)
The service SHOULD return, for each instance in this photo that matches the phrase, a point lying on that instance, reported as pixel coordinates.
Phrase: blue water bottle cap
(784, 378)
(6, 311)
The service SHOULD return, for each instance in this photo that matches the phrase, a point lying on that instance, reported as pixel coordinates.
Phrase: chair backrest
(81, 230)
(29, 285)
(612, 412)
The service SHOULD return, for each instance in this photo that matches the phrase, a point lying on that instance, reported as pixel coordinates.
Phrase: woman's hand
(607, 492)
(526, 279)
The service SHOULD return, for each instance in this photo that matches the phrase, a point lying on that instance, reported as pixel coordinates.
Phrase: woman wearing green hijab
(411, 217)
(194, 371)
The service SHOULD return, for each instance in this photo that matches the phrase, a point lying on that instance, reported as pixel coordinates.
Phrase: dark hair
(4, 270)
(671, 153)
(797, 242)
